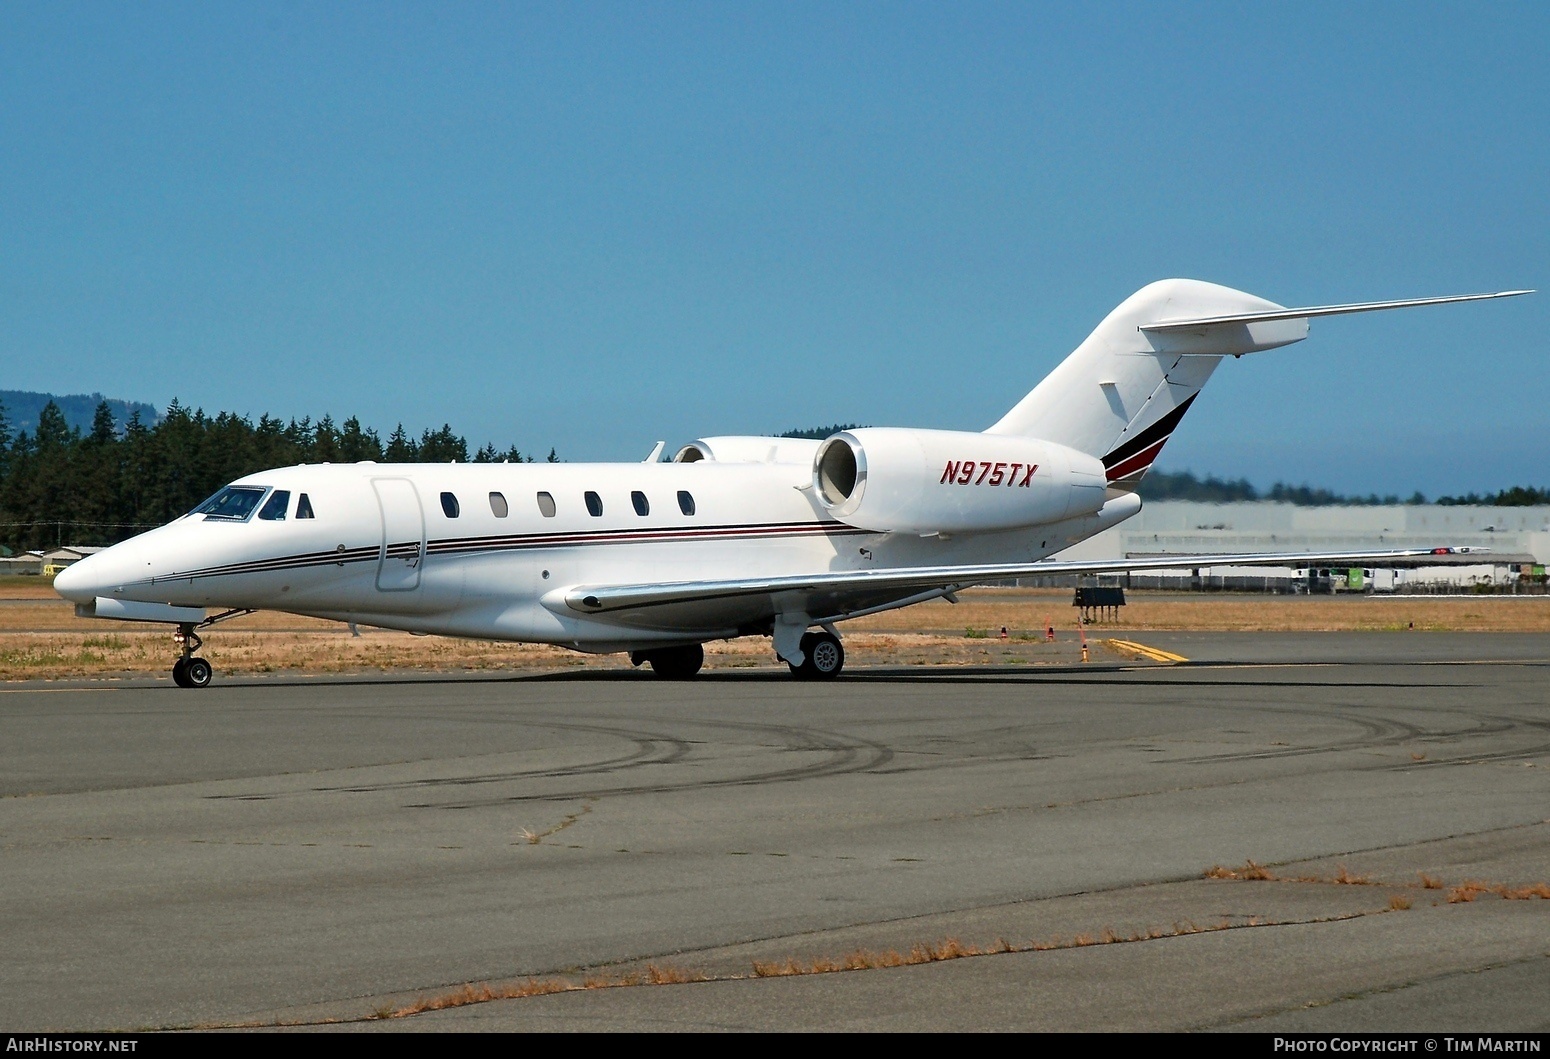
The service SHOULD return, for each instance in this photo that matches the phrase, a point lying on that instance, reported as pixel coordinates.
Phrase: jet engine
(747, 449)
(887, 480)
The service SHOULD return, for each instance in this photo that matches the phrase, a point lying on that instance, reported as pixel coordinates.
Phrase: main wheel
(676, 663)
(198, 673)
(825, 657)
(180, 673)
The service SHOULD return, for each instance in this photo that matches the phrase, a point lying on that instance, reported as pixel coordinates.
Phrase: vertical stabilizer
(1120, 395)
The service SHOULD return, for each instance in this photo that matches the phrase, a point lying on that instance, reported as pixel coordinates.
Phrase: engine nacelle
(888, 479)
(735, 448)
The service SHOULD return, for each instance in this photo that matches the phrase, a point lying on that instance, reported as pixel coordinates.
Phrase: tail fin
(1123, 391)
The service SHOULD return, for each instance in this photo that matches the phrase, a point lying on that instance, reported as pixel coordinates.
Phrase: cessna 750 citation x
(736, 536)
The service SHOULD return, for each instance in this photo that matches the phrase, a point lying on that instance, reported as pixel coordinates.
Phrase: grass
(920, 953)
(1249, 871)
(1467, 891)
(1345, 878)
(1024, 612)
(40, 636)
(950, 948)
(1463, 893)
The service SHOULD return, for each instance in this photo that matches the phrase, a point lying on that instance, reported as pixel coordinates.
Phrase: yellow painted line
(1156, 654)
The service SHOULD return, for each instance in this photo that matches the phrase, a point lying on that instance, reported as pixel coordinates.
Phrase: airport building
(1508, 546)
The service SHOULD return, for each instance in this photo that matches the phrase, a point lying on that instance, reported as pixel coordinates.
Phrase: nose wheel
(190, 671)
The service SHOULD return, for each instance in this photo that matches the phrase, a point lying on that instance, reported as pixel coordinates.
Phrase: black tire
(198, 673)
(180, 673)
(676, 663)
(823, 657)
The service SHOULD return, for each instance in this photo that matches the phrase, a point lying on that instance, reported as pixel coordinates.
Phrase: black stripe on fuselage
(528, 542)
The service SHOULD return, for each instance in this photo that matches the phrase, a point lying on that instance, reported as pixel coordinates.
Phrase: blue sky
(596, 225)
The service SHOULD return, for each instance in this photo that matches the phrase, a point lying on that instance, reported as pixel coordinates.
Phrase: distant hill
(23, 407)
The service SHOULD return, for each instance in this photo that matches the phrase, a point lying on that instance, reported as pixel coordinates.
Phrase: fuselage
(487, 550)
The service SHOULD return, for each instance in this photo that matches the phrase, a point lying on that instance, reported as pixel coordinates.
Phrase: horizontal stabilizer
(1166, 326)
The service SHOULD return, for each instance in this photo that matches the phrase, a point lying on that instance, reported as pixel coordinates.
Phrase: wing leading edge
(869, 590)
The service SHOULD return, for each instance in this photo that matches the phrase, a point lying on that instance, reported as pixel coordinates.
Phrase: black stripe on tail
(1133, 457)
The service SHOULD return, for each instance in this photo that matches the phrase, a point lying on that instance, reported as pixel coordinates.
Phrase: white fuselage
(381, 549)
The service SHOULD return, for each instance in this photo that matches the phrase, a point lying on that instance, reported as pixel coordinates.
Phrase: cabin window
(498, 506)
(235, 503)
(449, 505)
(546, 505)
(642, 505)
(274, 508)
(594, 504)
(685, 502)
(304, 507)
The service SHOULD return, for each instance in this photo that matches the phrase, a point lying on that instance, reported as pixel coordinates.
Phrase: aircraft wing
(840, 594)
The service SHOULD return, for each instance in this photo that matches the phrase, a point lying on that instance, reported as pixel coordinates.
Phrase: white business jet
(736, 536)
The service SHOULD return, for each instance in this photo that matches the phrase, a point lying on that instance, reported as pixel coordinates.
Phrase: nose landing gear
(190, 671)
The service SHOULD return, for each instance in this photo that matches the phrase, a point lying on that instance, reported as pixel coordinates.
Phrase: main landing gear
(190, 671)
(823, 656)
(672, 663)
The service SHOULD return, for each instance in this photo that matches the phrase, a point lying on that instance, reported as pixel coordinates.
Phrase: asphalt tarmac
(326, 852)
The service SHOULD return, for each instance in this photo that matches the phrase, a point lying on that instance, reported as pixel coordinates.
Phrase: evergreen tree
(400, 448)
(442, 446)
(5, 443)
(53, 431)
(356, 444)
(104, 430)
(325, 441)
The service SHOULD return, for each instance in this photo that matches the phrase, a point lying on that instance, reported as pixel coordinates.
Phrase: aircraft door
(403, 535)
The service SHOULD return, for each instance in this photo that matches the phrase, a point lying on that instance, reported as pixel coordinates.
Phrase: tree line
(62, 485)
(1159, 485)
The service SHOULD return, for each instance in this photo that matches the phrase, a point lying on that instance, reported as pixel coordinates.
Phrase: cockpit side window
(274, 508)
(304, 507)
(235, 503)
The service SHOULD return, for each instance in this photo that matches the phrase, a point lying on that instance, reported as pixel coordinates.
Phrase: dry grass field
(41, 638)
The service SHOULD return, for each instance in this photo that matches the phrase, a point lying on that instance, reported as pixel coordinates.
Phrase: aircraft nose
(83, 581)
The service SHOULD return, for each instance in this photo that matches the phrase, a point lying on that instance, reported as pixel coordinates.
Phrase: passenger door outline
(402, 552)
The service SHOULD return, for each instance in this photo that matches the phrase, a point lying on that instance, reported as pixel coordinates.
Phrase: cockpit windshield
(235, 503)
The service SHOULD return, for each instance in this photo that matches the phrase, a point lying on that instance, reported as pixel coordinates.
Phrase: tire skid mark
(650, 749)
(847, 754)
(1379, 733)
